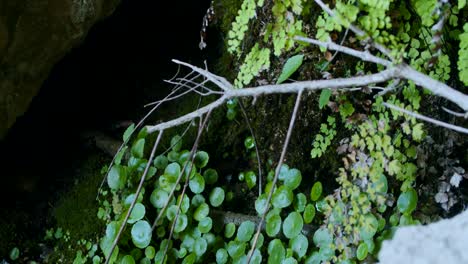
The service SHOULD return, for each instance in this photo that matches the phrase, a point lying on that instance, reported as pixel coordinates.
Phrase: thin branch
(278, 89)
(137, 193)
(363, 55)
(219, 81)
(252, 132)
(277, 172)
(427, 119)
(457, 114)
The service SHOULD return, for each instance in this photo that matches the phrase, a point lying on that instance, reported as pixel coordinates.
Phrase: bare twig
(427, 119)
(252, 132)
(137, 193)
(277, 172)
(457, 114)
(363, 55)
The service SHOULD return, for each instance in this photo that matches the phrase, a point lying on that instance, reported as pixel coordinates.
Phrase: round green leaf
(127, 259)
(141, 234)
(205, 225)
(300, 202)
(138, 148)
(245, 231)
(221, 256)
(138, 213)
(293, 179)
(189, 259)
(171, 212)
(322, 237)
(236, 249)
(283, 172)
(176, 143)
(249, 143)
(273, 224)
(117, 177)
(211, 176)
(201, 159)
(256, 257)
(150, 252)
(276, 251)
(184, 156)
(369, 226)
(316, 191)
(407, 201)
(197, 184)
(145, 260)
(173, 156)
(261, 204)
(292, 225)
(14, 253)
(160, 162)
(361, 252)
(299, 245)
(172, 171)
(185, 204)
(181, 224)
(200, 246)
(282, 197)
(201, 212)
(229, 230)
(197, 200)
(250, 179)
(309, 213)
(216, 196)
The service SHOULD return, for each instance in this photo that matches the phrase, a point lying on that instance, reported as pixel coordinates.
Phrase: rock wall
(34, 35)
(441, 242)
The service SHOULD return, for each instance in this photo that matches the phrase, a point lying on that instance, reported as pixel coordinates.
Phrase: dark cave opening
(108, 78)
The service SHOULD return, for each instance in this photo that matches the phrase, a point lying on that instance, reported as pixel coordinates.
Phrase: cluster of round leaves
(189, 214)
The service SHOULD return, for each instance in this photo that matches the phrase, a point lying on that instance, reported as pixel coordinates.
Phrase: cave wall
(34, 35)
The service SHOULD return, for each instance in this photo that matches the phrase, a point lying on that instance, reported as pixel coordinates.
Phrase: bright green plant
(324, 138)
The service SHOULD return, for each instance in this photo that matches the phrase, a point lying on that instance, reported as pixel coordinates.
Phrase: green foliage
(255, 62)
(463, 55)
(291, 66)
(324, 139)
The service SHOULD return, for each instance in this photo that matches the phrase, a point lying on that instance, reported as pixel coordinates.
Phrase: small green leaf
(245, 231)
(309, 213)
(261, 204)
(211, 176)
(236, 249)
(181, 224)
(316, 191)
(292, 225)
(293, 179)
(150, 252)
(300, 202)
(299, 245)
(141, 234)
(117, 177)
(322, 237)
(290, 67)
(200, 246)
(137, 214)
(324, 98)
(250, 179)
(216, 197)
(205, 225)
(276, 252)
(172, 171)
(221, 256)
(138, 148)
(282, 197)
(361, 252)
(197, 184)
(273, 224)
(176, 143)
(14, 253)
(229, 230)
(249, 143)
(201, 212)
(160, 162)
(407, 201)
(127, 259)
(128, 132)
(369, 226)
(159, 198)
(201, 159)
